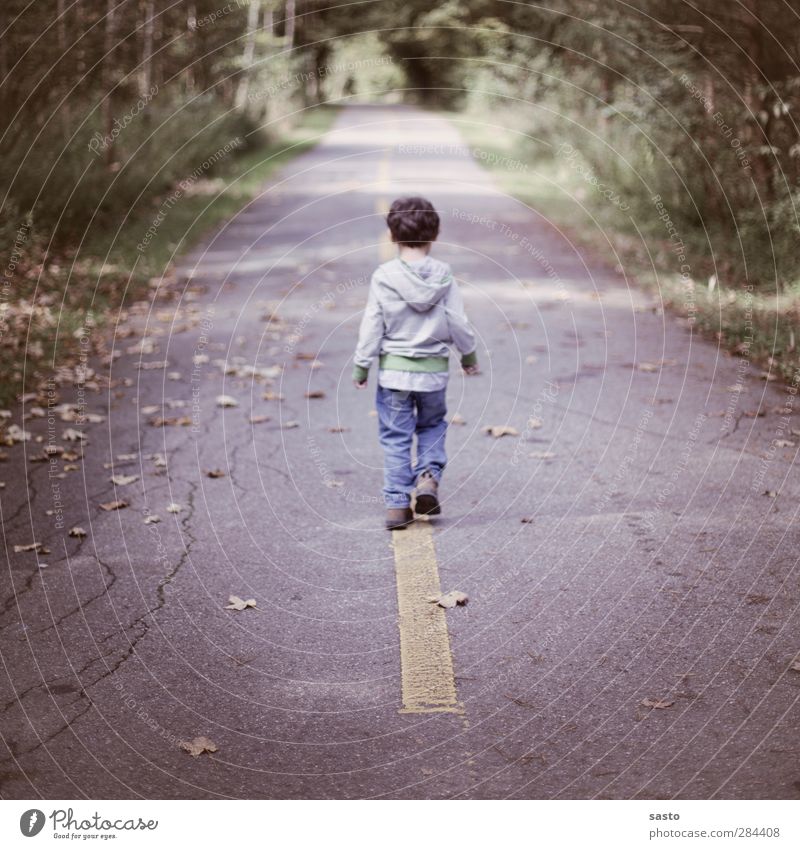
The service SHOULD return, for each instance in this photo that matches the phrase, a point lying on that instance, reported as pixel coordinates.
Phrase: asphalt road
(651, 565)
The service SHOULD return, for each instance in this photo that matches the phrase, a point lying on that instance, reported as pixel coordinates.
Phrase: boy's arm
(460, 329)
(370, 336)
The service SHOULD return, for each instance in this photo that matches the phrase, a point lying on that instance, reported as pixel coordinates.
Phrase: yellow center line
(428, 681)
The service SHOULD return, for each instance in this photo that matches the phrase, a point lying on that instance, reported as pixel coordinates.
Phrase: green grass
(757, 324)
(90, 280)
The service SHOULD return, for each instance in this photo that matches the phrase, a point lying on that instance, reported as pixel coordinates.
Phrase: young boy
(414, 311)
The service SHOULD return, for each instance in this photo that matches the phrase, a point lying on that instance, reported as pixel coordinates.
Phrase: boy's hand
(360, 384)
(471, 370)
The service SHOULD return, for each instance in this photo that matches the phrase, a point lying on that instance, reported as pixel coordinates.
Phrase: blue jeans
(401, 415)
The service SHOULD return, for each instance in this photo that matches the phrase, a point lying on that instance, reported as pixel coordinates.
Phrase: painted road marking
(428, 680)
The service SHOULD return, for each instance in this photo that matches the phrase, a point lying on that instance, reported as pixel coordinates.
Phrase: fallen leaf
(113, 505)
(500, 430)
(226, 401)
(534, 423)
(526, 521)
(451, 599)
(770, 493)
(198, 746)
(150, 409)
(457, 419)
(215, 473)
(305, 356)
(260, 418)
(315, 393)
(290, 425)
(784, 443)
(795, 666)
(647, 367)
(71, 467)
(152, 519)
(31, 546)
(338, 429)
(236, 603)
(124, 480)
(72, 435)
(171, 421)
(331, 484)
(14, 433)
(272, 396)
(657, 704)
(542, 455)
(174, 508)
(77, 532)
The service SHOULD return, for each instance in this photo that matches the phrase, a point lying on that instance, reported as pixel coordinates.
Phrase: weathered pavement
(652, 565)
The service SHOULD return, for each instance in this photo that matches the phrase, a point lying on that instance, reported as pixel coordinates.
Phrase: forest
(675, 122)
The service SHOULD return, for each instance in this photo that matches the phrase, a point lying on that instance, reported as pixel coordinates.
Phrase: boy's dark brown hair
(413, 222)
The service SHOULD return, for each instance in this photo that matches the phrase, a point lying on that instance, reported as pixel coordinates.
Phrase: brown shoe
(398, 518)
(427, 503)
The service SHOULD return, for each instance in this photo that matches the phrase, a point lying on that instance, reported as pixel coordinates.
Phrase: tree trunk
(146, 69)
(109, 81)
(290, 22)
(253, 11)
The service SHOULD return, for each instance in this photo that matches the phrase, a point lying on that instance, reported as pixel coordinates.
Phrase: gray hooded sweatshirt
(411, 318)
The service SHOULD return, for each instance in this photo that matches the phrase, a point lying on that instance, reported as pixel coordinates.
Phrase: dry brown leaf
(338, 429)
(171, 421)
(174, 508)
(272, 396)
(784, 443)
(526, 520)
(31, 546)
(770, 493)
(303, 355)
(123, 480)
(259, 418)
(236, 603)
(72, 435)
(77, 532)
(451, 599)
(215, 473)
(113, 505)
(647, 367)
(152, 519)
(226, 401)
(795, 665)
(315, 393)
(657, 704)
(457, 419)
(542, 455)
(290, 425)
(198, 746)
(500, 430)
(534, 423)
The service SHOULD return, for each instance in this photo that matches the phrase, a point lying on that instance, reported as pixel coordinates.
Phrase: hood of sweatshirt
(421, 286)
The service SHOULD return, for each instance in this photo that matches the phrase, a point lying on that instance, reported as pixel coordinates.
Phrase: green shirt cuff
(470, 359)
(360, 374)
